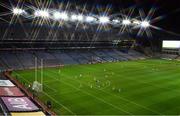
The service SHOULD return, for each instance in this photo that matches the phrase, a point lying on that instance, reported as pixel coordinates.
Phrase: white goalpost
(38, 86)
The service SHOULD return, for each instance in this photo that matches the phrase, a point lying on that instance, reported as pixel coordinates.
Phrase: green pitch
(133, 87)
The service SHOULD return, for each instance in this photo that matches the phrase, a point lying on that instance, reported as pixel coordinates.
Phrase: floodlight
(145, 24)
(104, 19)
(90, 19)
(42, 13)
(56, 15)
(74, 17)
(18, 11)
(60, 15)
(126, 22)
(136, 22)
(80, 17)
(116, 21)
(64, 15)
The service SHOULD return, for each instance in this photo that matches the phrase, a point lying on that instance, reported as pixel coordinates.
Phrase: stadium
(89, 57)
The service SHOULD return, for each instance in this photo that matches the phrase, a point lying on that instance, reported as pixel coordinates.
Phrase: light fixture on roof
(136, 22)
(104, 19)
(42, 13)
(80, 17)
(116, 21)
(145, 24)
(56, 15)
(60, 15)
(73, 17)
(90, 19)
(18, 11)
(126, 22)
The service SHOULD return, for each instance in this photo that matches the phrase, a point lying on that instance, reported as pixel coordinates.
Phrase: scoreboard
(171, 44)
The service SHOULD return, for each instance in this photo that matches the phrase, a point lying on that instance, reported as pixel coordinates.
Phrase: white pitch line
(124, 99)
(59, 103)
(130, 101)
(96, 97)
(54, 90)
(50, 97)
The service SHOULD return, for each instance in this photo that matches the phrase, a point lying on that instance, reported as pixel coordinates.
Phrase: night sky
(170, 9)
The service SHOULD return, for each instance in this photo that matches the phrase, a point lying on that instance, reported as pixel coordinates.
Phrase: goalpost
(38, 86)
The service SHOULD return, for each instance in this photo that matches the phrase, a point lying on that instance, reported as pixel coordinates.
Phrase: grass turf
(132, 87)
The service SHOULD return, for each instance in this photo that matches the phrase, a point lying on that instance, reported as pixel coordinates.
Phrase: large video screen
(171, 44)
